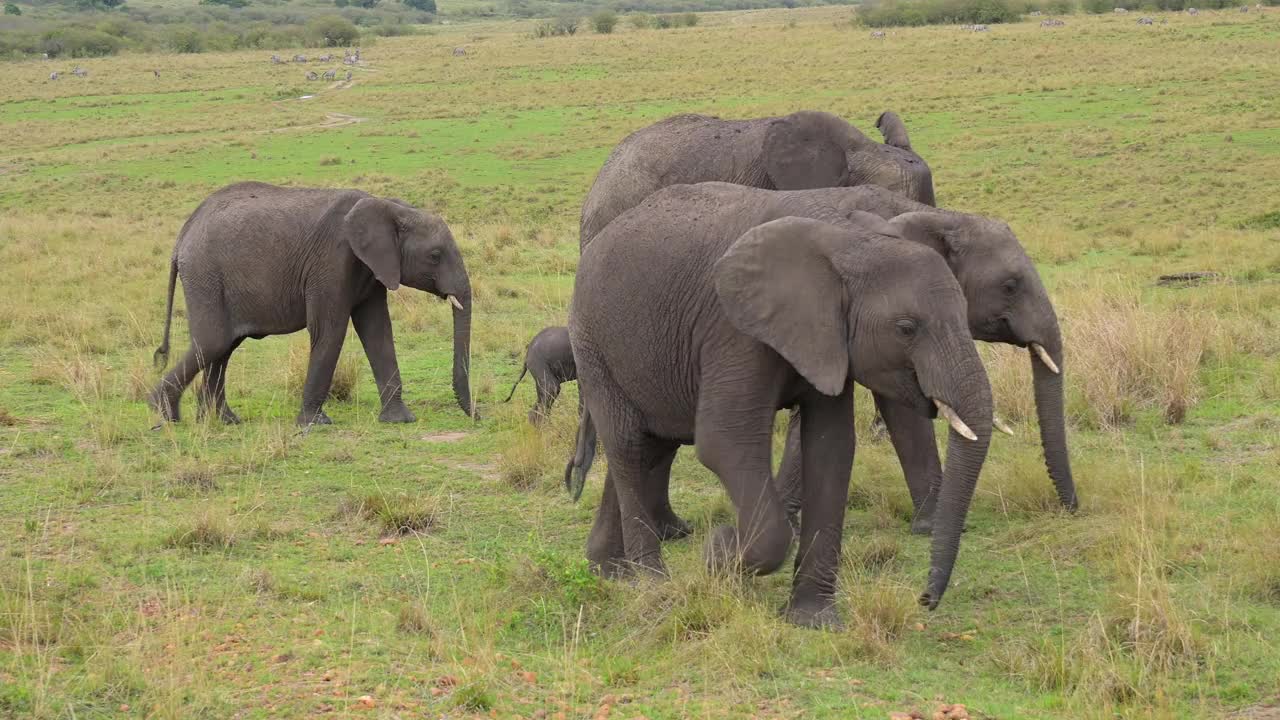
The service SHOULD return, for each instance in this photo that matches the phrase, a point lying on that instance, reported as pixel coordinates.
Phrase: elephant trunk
(964, 462)
(462, 352)
(1050, 411)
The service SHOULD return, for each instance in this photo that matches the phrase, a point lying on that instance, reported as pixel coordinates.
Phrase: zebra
(1052, 22)
(348, 76)
(312, 75)
(156, 73)
(331, 75)
(275, 60)
(55, 75)
(1145, 21)
(459, 51)
(299, 58)
(1121, 11)
(878, 34)
(79, 72)
(1036, 13)
(980, 28)
(1192, 11)
(324, 58)
(1244, 8)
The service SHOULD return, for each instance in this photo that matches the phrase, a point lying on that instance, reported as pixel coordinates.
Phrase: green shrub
(11, 9)
(641, 21)
(562, 25)
(79, 43)
(604, 21)
(185, 40)
(884, 13)
(333, 31)
(689, 19)
(423, 5)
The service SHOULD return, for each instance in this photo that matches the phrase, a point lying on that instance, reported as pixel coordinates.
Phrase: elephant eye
(435, 256)
(906, 327)
(1010, 286)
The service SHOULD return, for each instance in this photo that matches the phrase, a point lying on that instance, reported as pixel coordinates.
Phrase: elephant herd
(728, 269)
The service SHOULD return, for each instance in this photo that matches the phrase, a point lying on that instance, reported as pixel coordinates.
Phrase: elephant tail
(584, 453)
(161, 356)
(523, 369)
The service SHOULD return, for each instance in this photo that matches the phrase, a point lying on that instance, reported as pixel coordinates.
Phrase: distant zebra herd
(351, 57)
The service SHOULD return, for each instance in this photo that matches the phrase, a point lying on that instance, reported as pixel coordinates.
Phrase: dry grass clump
(400, 514)
(346, 376)
(535, 456)
(199, 478)
(7, 419)
(207, 532)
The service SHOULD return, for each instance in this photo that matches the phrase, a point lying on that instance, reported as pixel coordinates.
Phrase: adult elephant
(258, 260)
(1006, 301)
(803, 150)
(687, 331)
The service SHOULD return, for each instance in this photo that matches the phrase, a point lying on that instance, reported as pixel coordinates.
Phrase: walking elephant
(550, 358)
(258, 260)
(799, 151)
(687, 332)
(1006, 301)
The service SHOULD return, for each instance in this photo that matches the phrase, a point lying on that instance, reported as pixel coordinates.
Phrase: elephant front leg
(373, 326)
(326, 346)
(827, 446)
(789, 471)
(548, 388)
(917, 448)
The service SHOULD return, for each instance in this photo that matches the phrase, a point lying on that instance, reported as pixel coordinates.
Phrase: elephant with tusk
(258, 260)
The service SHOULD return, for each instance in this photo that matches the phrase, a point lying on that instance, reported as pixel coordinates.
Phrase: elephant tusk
(1044, 358)
(454, 302)
(1000, 425)
(956, 423)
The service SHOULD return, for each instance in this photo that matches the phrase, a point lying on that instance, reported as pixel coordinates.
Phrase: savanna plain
(437, 569)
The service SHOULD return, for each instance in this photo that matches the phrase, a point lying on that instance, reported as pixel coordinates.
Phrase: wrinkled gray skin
(803, 150)
(1007, 303)
(258, 260)
(729, 322)
(799, 151)
(550, 358)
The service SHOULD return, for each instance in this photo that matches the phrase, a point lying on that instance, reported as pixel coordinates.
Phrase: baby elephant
(258, 260)
(550, 359)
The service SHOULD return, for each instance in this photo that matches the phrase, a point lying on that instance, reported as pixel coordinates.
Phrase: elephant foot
(397, 413)
(817, 614)
(166, 407)
(317, 418)
(922, 525)
(228, 417)
(672, 527)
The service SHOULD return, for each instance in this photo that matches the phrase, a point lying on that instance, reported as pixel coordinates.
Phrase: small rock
(367, 702)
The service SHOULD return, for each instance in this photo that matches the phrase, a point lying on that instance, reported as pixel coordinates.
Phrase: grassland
(436, 569)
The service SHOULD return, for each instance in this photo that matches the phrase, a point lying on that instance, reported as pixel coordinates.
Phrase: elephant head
(1007, 303)
(401, 244)
(893, 130)
(810, 149)
(838, 302)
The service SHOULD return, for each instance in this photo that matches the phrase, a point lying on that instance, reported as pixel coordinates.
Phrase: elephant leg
(209, 342)
(633, 456)
(827, 448)
(213, 392)
(734, 436)
(917, 448)
(789, 471)
(327, 336)
(548, 390)
(668, 524)
(373, 326)
(605, 551)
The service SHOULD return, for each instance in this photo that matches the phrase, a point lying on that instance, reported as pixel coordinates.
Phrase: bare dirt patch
(444, 437)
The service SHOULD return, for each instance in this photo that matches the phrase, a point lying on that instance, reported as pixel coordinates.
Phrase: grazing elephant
(1007, 303)
(550, 358)
(802, 150)
(258, 260)
(687, 332)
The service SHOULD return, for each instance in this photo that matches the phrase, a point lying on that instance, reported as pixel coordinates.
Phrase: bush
(79, 43)
(641, 21)
(11, 9)
(689, 19)
(604, 21)
(185, 40)
(423, 5)
(333, 31)
(228, 3)
(885, 13)
(562, 25)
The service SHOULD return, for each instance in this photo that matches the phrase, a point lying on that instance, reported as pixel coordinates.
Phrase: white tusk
(1044, 358)
(454, 302)
(956, 423)
(1001, 426)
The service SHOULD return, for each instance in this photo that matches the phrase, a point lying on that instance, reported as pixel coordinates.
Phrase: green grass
(204, 571)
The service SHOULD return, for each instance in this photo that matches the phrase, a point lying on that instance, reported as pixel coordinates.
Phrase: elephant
(803, 150)
(550, 358)
(722, 328)
(1007, 303)
(258, 260)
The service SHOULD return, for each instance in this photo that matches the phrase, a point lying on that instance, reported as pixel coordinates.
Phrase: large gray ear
(372, 230)
(893, 130)
(937, 230)
(778, 285)
(806, 150)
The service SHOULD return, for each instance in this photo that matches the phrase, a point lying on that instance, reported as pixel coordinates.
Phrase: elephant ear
(937, 230)
(777, 284)
(893, 130)
(372, 229)
(806, 150)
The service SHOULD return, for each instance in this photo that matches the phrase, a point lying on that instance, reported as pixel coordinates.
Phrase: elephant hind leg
(213, 391)
(166, 397)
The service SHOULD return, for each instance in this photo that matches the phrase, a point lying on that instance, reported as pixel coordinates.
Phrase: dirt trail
(331, 120)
